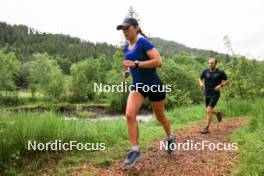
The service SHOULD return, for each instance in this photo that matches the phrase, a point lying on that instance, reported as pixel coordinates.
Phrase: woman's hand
(125, 74)
(128, 63)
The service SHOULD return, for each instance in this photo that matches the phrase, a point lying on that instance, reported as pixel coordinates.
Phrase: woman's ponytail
(141, 33)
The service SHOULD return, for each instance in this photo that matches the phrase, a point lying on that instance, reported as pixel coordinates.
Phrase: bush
(9, 99)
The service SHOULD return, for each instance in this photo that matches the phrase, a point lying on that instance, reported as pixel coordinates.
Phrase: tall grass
(17, 129)
(251, 141)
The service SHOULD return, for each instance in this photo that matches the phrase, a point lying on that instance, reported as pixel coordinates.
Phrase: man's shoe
(132, 158)
(205, 130)
(219, 116)
(171, 141)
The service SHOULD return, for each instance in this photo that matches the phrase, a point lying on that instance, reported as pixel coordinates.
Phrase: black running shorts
(154, 95)
(211, 101)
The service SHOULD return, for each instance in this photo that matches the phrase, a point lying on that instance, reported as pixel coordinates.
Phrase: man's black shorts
(211, 101)
(152, 95)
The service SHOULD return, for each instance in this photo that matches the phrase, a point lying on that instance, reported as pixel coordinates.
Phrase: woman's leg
(158, 108)
(134, 102)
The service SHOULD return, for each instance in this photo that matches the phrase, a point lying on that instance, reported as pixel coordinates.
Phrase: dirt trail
(182, 163)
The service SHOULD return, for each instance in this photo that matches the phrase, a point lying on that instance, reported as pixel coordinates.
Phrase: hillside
(17, 38)
(169, 48)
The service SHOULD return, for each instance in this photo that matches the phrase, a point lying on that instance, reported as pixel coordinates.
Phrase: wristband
(136, 63)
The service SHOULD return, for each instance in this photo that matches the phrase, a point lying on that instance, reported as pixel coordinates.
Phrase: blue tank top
(146, 76)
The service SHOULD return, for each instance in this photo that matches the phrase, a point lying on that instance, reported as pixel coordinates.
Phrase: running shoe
(132, 158)
(205, 130)
(171, 141)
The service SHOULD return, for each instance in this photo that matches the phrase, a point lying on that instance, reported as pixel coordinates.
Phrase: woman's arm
(155, 60)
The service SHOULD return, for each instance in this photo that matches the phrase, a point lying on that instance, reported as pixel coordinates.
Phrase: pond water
(142, 118)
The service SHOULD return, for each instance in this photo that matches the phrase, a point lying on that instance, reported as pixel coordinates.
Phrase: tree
(9, 70)
(246, 78)
(84, 75)
(184, 85)
(55, 88)
(228, 44)
(45, 75)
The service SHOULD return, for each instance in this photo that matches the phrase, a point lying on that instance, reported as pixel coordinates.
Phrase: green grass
(251, 141)
(44, 127)
(17, 129)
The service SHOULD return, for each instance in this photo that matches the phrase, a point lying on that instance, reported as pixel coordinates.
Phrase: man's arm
(224, 82)
(201, 80)
(201, 83)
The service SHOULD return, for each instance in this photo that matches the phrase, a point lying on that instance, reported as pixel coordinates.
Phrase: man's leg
(209, 111)
(213, 103)
(210, 102)
(215, 112)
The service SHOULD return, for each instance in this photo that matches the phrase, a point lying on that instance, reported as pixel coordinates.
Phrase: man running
(212, 80)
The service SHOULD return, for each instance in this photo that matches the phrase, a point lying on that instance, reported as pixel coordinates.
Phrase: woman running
(141, 59)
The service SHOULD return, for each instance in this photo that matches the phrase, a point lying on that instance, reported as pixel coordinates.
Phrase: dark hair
(142, 33)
